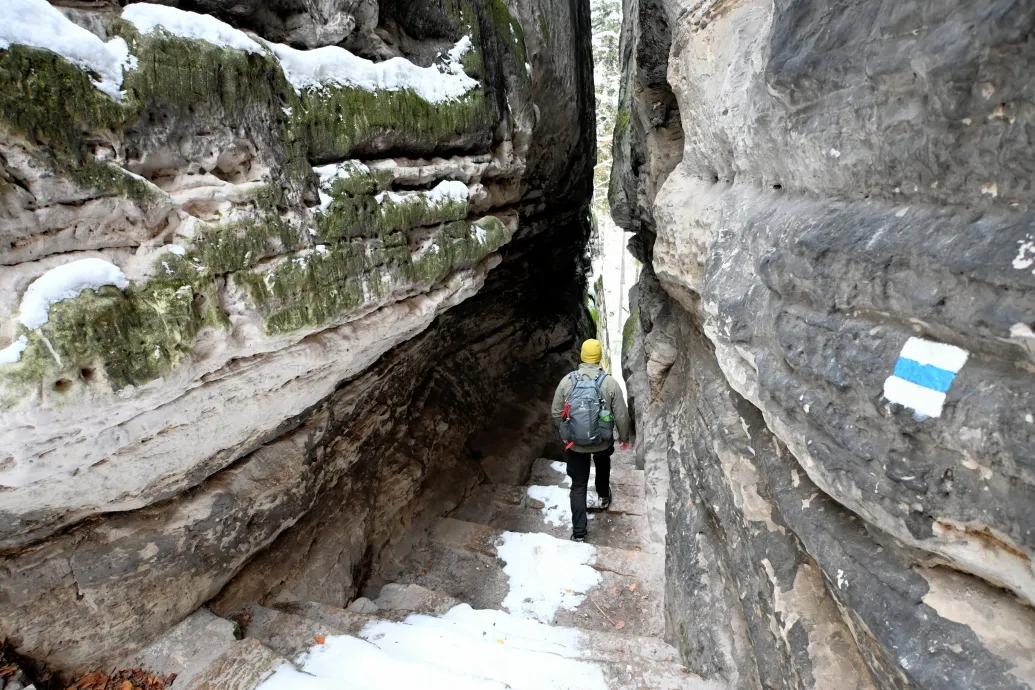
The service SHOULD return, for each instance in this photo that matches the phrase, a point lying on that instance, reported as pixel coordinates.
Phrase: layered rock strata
(260, 290)
(831, 356)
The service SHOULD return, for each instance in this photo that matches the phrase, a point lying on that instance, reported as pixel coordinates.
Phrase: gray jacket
(614, 396)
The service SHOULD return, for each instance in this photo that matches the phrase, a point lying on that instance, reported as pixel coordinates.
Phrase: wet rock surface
(314, 326)
(849, 193)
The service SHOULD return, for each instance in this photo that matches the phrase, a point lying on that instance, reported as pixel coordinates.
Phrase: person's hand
(624, 445)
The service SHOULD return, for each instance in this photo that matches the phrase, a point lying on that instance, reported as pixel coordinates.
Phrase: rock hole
(62, 385)
(777, 186)
(87, 373)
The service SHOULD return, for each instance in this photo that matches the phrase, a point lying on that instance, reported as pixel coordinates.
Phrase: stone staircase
(448, 621)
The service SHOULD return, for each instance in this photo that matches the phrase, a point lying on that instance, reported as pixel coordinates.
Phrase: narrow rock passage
(498, 597)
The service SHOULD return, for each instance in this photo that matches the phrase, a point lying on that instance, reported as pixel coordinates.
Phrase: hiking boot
(605, 502)
(581, 539)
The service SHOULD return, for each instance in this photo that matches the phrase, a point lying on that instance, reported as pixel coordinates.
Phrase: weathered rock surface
(850, 179)
(313, 327)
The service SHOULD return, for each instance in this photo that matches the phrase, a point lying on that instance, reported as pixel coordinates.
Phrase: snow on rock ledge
(65, 282)
(36, 23)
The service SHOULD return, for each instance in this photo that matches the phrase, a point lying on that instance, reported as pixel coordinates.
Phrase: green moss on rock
(309, 290)
(191, 77)
(54, 104)
(342, 122)
(455, 247)
(349, 216)
(56, 109)
(137, 335)
(359, 181)
(319, 287)
(629, 330)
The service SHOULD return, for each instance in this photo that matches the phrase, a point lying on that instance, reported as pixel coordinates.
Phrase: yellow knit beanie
(591, 351)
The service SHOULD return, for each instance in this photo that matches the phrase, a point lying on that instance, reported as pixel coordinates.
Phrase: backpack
(586, 421)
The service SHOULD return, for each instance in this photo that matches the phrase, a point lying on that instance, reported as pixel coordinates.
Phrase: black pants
(578, 470)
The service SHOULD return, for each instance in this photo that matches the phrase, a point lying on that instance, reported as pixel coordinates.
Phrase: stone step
(242, 667)
(546, 509)
(404, 599)
(288, 634)
(461, 561)
(494, 647)
(187, 648)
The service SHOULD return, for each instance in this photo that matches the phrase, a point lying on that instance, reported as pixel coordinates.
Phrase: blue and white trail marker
(923, 373)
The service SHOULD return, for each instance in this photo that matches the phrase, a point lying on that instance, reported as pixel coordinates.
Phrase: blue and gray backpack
(586, 420)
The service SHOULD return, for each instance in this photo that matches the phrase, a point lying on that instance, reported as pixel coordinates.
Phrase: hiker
(588, 407)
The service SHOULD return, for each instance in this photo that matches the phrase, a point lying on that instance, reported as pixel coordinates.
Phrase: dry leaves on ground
(619, 625)
(128, 679)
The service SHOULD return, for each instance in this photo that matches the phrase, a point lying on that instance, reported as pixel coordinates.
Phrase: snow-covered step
(245, 666)
(547, 509)
(540, 576)
(596, 644)
(463, 649)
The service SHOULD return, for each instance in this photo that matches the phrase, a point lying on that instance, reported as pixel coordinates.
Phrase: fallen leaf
(568, 591)
(320, 639)
(614, 591)
(500, 640)
(639, 548)
(619, 625)
(126, 685)
(633, 586)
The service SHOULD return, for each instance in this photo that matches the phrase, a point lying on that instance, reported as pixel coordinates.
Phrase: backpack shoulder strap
(600, 383)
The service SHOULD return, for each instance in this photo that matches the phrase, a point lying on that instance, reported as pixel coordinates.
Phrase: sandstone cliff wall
(316, 286)
(826, 196)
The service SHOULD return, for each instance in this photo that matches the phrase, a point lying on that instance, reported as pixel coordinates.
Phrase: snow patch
(1025, 254)
(457, 52)
(199, 27)
(465, 648)
(13, 352)
(556, 504)
(336, 171)
(315, 69)
(37, 24)
(563, 469)
(447, 190)
(64, 282)
(176, 249)
(349, 663)
(546, 574)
